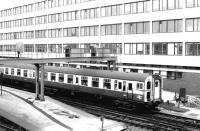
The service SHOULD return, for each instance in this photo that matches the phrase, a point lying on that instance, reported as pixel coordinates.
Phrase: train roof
(90, 72)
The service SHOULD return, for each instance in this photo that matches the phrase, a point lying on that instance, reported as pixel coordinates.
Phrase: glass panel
(189, 24)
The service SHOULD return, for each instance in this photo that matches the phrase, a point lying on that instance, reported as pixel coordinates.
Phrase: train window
(148, 85)
(61, 78)
(95, 82)
(70, 79)
(18, 72)
(84, 81)
(115, 86)
(139, 86)
(33, 74)
(156, 83)
(107, 83)
(124, 85)
(25, 73)
(77, 80)
(46, 76)
(53, 77)
(6, 70)
(148, 96)
(130, 86)
(120, 85)
(12, 71)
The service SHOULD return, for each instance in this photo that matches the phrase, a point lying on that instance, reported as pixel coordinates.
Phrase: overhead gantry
(40, 63)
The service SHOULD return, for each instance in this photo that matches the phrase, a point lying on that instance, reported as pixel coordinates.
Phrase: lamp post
(102, 120)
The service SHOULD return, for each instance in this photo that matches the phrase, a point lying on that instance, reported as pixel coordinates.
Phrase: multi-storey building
(147, 36)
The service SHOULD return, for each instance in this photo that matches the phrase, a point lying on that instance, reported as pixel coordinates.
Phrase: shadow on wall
(190, 81)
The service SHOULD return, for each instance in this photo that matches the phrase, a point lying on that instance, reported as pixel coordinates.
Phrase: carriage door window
(84, 81)
(70, 79)
(148, 85)
(95, 82)
(107, 83)
(61, 78)
(157, 83)
(124, 85)
(77, 80)
(148, 96)
(139, 86)
(115, 86)
(53, 77)
(119, 85)
(130, 87)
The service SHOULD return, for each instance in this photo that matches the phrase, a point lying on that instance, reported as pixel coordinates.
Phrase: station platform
(193, 113)
(49, 115)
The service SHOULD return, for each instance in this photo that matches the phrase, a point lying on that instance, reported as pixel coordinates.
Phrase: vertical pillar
(108, 68)
(114, 65)
(37, 82)
(42, 83)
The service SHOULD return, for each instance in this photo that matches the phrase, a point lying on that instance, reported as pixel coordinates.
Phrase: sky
(4, 4)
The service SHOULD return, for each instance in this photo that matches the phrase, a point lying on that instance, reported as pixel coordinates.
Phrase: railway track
(148, 121)
(152, 121)
(6, 125)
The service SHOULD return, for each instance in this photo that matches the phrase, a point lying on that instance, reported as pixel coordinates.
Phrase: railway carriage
(121, 87)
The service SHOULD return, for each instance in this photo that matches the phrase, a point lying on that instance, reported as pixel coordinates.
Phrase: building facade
(147, 36)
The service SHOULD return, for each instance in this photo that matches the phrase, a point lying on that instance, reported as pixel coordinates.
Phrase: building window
(112, 10)
(136, 28)
(114, 29)
(89, 31)
(72, 15)
(40, 48)
(136, 48)
(52, 18)
(193, 48)
(55, 33)
(41, 19)
(55, 48)
(71, 32)
(40, 34)
(137, 7)
(115, 48)
(190, 3)
(90, 13)
(169, 48)
(70, 2)
(193, 25)
(174, 75)
(28, 48)
(159, 5)
(167, 26)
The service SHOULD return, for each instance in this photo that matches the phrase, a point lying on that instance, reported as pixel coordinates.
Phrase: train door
(156, 89)
(130, 90)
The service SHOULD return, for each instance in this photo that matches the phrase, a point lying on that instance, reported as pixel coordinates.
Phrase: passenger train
(120, 87)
